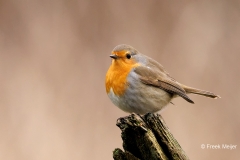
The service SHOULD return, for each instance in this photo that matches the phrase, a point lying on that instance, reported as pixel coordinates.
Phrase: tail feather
(200, 92)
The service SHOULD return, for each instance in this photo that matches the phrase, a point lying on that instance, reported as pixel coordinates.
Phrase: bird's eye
(128, 56)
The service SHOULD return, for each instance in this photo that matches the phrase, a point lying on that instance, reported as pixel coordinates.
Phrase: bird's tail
(200, 92)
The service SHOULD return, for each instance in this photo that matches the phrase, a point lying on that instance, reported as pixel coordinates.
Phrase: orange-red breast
(137, 83)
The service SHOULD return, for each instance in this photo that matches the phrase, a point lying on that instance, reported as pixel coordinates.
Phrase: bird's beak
(113, 56)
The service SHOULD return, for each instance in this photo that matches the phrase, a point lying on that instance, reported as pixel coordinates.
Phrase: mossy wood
(147, 138)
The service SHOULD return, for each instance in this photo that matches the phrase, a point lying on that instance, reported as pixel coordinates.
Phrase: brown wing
(162, 80)
(157, 66)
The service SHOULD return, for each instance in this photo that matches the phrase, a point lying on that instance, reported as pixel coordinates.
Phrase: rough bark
(147, 138)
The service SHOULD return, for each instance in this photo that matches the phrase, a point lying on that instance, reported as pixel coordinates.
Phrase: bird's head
(124, 55)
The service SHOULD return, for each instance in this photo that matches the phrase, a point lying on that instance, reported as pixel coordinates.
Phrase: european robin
(137, 83)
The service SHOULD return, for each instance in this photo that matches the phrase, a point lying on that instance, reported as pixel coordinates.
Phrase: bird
(136, 83)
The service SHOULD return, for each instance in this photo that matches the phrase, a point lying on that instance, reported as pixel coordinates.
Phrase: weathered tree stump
(147, 138)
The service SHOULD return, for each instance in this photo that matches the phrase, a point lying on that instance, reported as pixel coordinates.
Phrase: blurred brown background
(54, 56)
